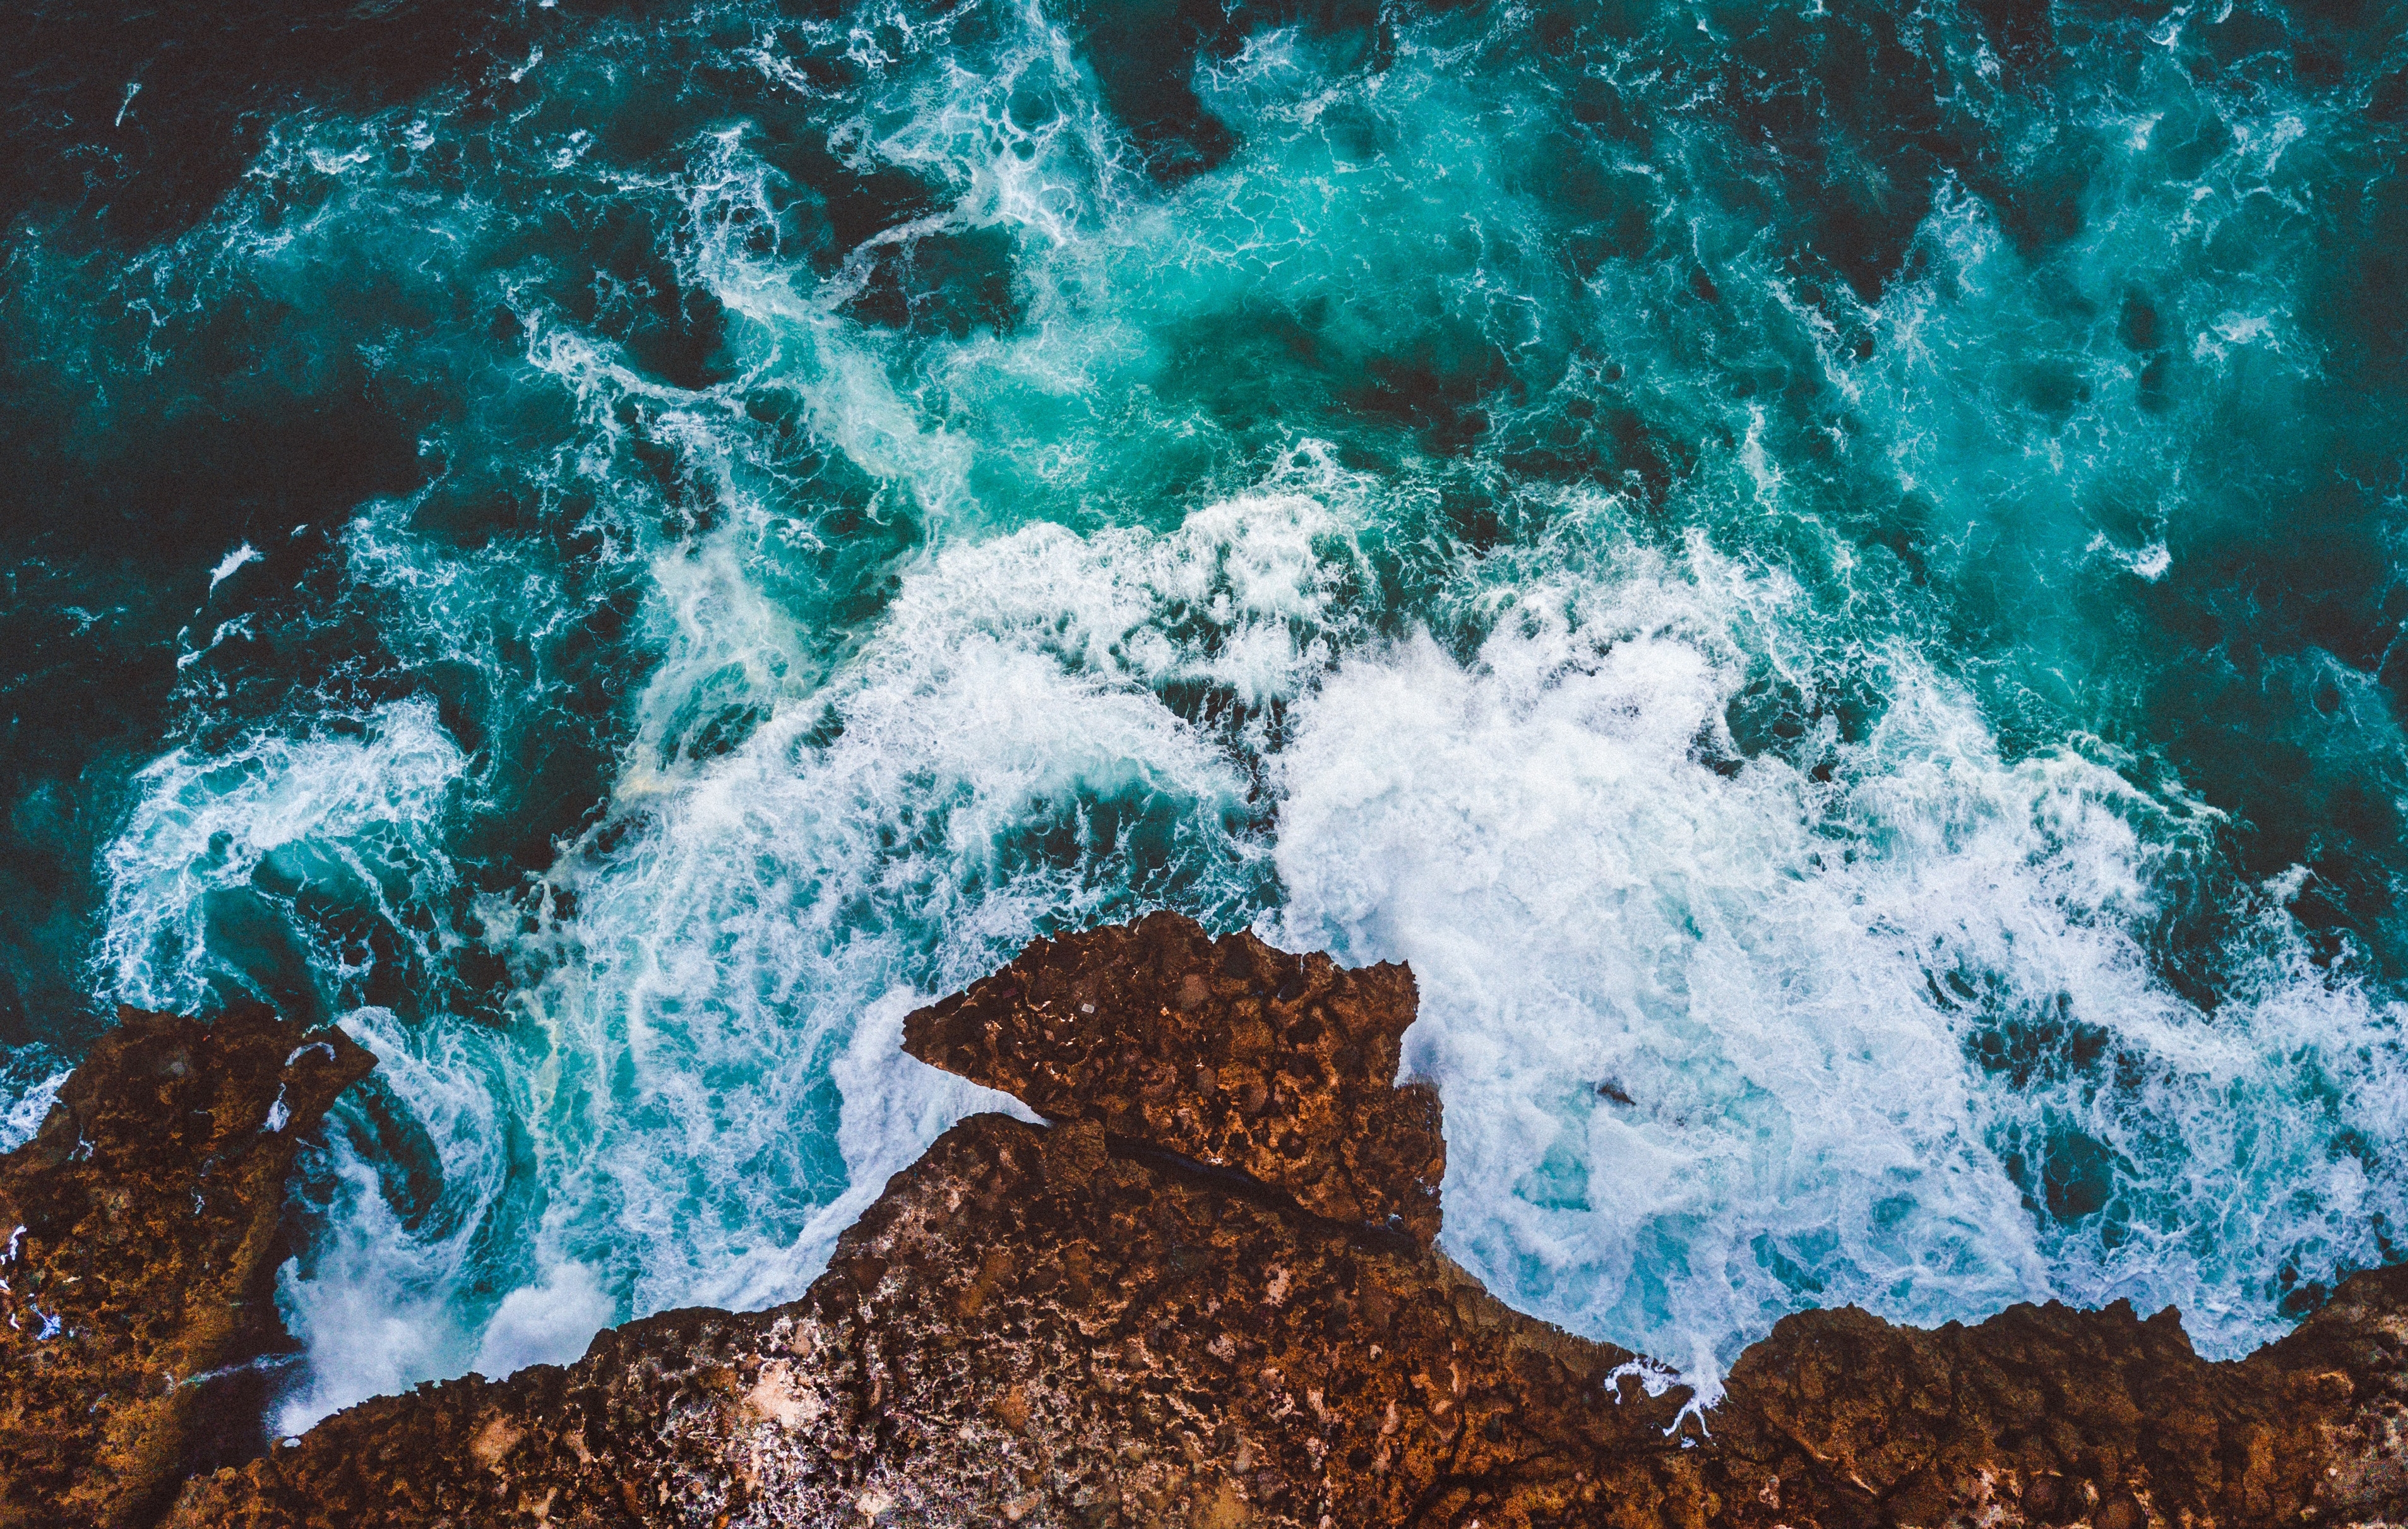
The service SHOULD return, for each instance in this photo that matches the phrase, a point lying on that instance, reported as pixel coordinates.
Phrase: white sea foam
(28, 1106)
(230, 563)
(392, 1295)
(711, 1078)
(353, 815)
(725, 947)
(1708, 1032)
(548, 1322)
(1698, 1065)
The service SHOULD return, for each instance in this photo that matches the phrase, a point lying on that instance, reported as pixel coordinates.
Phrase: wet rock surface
(1090, 1324)
(1027, 1328)
(1228, 1051)
(1032, 1328)
(141, 1227)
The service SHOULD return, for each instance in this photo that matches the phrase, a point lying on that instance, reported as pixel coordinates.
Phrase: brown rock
(1225, 1358)
(1224, 1368)
(140, 1280)
(1075, 1326)
(1228, 1051)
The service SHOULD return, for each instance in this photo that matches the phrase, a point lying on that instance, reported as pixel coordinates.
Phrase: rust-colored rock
(1084, 1326)
(1028, 1328)
(142, 1239)
(2046, 1415)
(1229, 1051)
(1034, 1327)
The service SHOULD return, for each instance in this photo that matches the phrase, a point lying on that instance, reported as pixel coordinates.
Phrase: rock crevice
(1206, 1295)
(1229, 1053)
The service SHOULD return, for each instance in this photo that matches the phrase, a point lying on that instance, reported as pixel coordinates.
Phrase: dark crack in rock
(1086, 1326)
(1228, 1051)
(1028, 1328)
(141, 1225)
(1033, 1327)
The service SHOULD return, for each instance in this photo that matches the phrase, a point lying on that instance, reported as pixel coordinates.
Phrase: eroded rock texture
(1032, 1328)
(141, 1227)
(1084, 1325)
(1228, 1051)
(1027, 1328)
(2048, 1415)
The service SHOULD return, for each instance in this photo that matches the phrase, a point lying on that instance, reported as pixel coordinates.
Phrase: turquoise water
(1828, 576)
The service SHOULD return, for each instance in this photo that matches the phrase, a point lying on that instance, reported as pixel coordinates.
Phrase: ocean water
(1829, 576)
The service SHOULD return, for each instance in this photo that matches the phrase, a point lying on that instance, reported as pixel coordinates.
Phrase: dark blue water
(1829, 577)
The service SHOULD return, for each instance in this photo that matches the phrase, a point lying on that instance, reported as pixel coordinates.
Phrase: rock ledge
(1205, 1296)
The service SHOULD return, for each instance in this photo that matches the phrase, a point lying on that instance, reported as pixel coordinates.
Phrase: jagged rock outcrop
(1091, 1324)
(1028, 1328)
(141, 1241)
(1228, 1051)
(1032, 1328)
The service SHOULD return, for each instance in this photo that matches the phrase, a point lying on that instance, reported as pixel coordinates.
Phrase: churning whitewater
(1826, 577)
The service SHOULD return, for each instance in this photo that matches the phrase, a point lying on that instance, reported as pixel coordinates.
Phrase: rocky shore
(1206, 1294)
(137, 1279)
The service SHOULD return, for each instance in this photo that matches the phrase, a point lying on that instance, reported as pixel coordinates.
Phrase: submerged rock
(141, 1241)
(1158, 1311)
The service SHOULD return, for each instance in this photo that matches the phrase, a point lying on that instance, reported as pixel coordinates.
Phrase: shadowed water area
(1828, 576)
